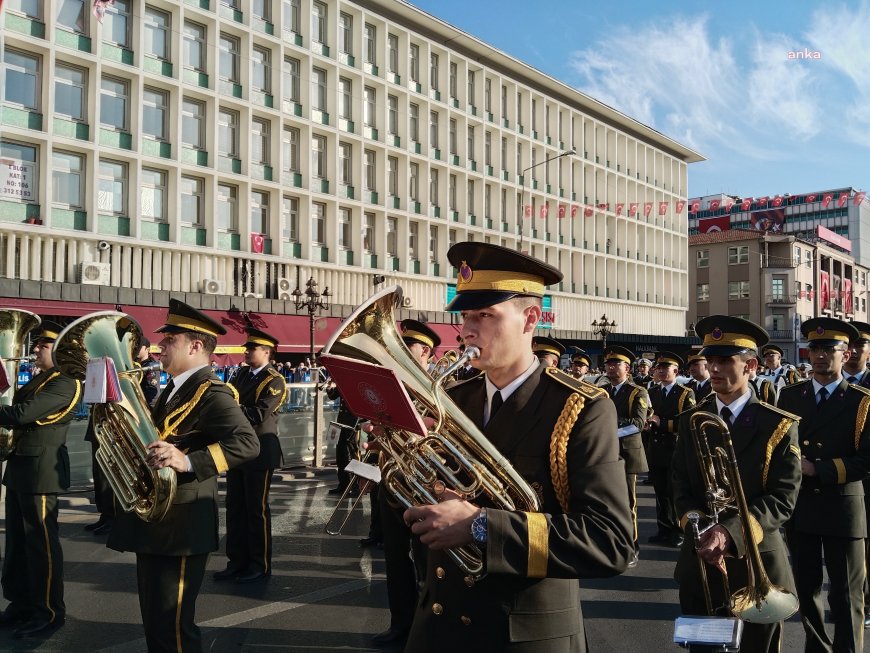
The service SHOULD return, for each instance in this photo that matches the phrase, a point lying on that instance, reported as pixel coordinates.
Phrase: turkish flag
(544, 210)
(859, 197)
(844, 197)
(679, 206)
(574, 209)
(710, 225)
(663, 208)
(527, 211)
(811, 198)
(827, 199)
(257, 242)
(588, 211)
(729, 203)
(715, 204)
(619, 208)
(847, 295)
(825, 290)
(561, 210)
(632, 209)
(746, 204)
(647, 208)
(777, 201)
(603, 207)
(762, 201)
(695, 206)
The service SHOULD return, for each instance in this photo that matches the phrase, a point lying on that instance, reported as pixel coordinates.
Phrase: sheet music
(95, 381)
(631, 429)
(708, 630)
(359, 468)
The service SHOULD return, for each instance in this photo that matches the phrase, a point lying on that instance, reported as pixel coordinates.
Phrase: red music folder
(375, 393)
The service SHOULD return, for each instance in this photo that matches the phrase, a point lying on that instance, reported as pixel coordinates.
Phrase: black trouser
(666, 517)
(843, 557)
(249, 520)
(402, 572)
(33, 566)
(104, 498)
(376, 530)
(168, 587)
(345, 451)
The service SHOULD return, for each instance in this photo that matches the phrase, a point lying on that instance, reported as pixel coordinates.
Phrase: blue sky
(715, 76)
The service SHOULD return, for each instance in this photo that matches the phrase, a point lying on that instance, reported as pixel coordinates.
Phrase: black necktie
(726, 414)
(613, 391)
(853, 379)
(497, 401)
(823, 397)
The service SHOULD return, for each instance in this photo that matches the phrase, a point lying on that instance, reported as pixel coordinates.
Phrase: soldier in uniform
(204, 433)
(643, 378)
(762, 386)
(632, 408)
(580, 364)
(700, 382)
(548, 350)
(668, 399)
(36, 473)
(526, 601)
(780, 374)
(768, 458)
(829, 522)
(262, 391)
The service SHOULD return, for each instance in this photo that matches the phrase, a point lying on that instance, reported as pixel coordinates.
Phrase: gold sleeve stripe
(796, 450)
(539, 545)
(682, 402)
(841, 470)
(861, 419)
(756, 529)
(217, 454)
(263, 386)
(783, 427)
(631, 399)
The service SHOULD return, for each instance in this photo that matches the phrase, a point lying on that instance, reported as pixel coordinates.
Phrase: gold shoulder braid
(861, 419)
(53, 419)
(559, 448)
(182, 412)
(781, 429)
(233, 390)
(631, 398)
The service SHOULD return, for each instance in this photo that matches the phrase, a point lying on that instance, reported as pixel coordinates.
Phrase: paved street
(326, 594)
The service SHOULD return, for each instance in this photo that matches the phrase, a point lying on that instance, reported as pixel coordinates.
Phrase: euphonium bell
(15, 324)
(122, 429)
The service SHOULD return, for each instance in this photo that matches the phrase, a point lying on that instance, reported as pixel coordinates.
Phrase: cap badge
(716, 334)
(465, 272)
(820, 330)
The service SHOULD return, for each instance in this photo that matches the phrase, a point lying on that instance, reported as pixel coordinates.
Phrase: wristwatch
(478, 527)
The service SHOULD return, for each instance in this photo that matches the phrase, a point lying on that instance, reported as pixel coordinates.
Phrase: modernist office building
(223, 151)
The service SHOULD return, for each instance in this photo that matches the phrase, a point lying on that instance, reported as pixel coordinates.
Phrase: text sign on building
(834, 238)
(548, 316)
(17, 180)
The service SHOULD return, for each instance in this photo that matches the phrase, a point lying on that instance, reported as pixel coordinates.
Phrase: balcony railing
(781, 298)
(786, 334)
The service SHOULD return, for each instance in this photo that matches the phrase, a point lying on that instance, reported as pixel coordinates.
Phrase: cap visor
(723, 350)
(170, 328)
(825, 342)
(476, 299)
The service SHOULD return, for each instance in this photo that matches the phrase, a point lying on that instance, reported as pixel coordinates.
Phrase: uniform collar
(179, 380)
(735, 406)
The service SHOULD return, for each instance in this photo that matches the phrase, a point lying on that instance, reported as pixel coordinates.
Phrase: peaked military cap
(415, 331)
(694, 358)
(668, 358)
(617, 353)
(182, 317)
(545, 345)
(491, 274)
(581, 356)
(644, 361)
(257, 337)
(863, 331)
(768, 348)
(724, 335)
(827, 331)
(47, 331)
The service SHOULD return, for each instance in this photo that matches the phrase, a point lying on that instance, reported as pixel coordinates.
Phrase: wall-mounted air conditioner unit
(285, 289)
(254, 295)
(407, 302)
(95, 273)
(212, 287)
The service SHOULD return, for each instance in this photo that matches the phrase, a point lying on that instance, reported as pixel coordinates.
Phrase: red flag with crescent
(257, 242)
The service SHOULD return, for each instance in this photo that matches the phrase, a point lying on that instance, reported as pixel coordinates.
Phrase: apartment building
(224, 151)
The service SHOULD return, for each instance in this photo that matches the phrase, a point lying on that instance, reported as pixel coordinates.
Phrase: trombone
(331, 527)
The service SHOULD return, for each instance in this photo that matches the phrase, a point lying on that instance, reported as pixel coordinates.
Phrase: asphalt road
(326, 593)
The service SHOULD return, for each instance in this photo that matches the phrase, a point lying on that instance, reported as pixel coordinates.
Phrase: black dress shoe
(337, 490)
(368, 541)
(226, 574)
(10, 618)
(92, 527)
(251, 577)
(34, 626)
(633, 562)
(104, 529)
(390, 636)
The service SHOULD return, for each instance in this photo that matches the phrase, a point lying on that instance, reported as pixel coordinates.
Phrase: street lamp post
(603, 328)
(314, 301)
(570, 152)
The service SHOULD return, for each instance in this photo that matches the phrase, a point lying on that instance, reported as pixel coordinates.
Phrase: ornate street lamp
(570, 152)
(603, 328)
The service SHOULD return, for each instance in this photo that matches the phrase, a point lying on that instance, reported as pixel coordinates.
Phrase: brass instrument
(331, 527)
(454, 454)
(15, 324)
(122, 429)
(444, 362)
(761, 601)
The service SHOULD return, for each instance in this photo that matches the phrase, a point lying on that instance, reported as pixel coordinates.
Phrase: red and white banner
(833, 238)
(847, 295)
(710, 225)
(257, 243)
(825, 290)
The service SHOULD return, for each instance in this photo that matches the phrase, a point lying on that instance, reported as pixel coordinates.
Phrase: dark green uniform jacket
(662, 438)
(632, 407)
(702, 391)
(763, 389)
(529, 599)
(260, 397)
(204, 420)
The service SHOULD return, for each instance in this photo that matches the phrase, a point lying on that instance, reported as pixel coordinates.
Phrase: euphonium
(761, 601)
(445, 361)
(122, 429)
(14, 327)
(454, 455)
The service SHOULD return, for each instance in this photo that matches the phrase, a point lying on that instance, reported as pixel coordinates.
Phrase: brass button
(439, 571)
(806, 443)
(819, 445)
(466, 621)
(437, 608)
(817, 491)
(469, 580)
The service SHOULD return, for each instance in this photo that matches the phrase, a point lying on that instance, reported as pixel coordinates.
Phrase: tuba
(15, 324)
(760, 602)
(122, 429)
(454, 455)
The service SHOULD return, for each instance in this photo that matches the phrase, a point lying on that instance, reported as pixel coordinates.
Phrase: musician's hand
(163, 454)
(808, 468)
(715, 544)
(446, 525)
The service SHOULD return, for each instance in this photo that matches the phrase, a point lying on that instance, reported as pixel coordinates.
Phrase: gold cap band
(546, 349)
(48, 334)
(669, 361)
(260, 341)
(422, 337)
(729, 340)
(505, 281)
(179, 321)
(828, 334)
(620, 357)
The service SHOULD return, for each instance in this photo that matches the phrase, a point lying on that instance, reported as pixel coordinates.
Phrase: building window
(259, 212)
(451, 238)
(414, 122)
(433, 71)
(193, 123)
(433, 186)
(291, 79)
(703, 258)
(738, 290)
(262, 9)
(318, 223)
(157, 31)
(504, 101)
(345, 99)
(228, 134)
(345, 33)
(393, 53)
(370, 44)
(345, 164)
(260, 142)
(318, 22)
(226, 210)
(703, 292)
(70, 91)
(116, 23)
(433, 129)
(290, 210)
(112, 188)
(777, 288)
(470, 197)
(318, 156)
(368, 233)
(154, 113)
(344, 228)
(451, 193)
(261, 74)
(192, 200)
(393, 175)
(414, 62)
(228, 58)
(370, 170)
(487, 94)
(471, 88)
(291, 16)
(194, 46)
(67, 179)
(452, 137)
(487, 201)
(809, 259)
(487, 148)
(22, 79)
(413, 240)
(392, 236)
(433, 243)
(318, 80)
(25, 190)
(369, 107)
(454, 75)
(470, 152)
(290, 145)
(392, 114)
(739, 254)
(29, 8)
(413, 181)
(114, 96)
(152, 195)
(71, 15)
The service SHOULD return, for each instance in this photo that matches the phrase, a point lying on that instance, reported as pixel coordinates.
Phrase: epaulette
(780, 411)
(273, 372)
(859, 388)
(796, 385)
(583, 388)
(710, 398)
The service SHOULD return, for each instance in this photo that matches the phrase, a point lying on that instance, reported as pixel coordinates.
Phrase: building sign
(17, 180)
(834, 238)
(548, 316)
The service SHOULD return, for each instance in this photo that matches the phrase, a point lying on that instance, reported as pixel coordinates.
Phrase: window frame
(79, 174)
(232, 204)
(124, 84)
(83, 90)
(198, 196)
(163, 109)
(123, 181)
(166, 29)
(159, 190)
(35, 74)
(200, 39)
